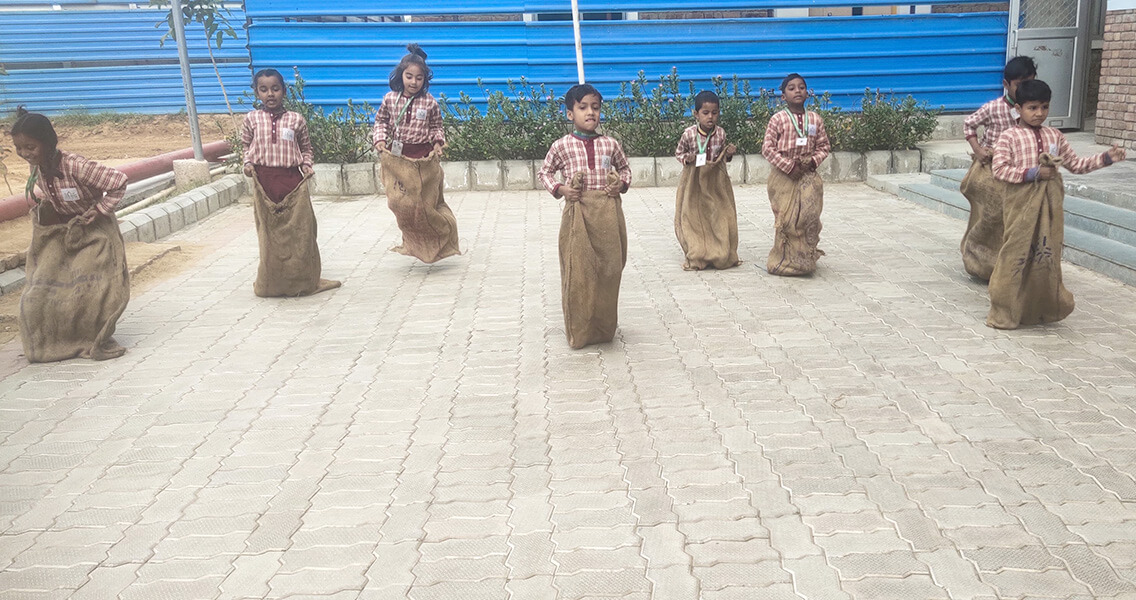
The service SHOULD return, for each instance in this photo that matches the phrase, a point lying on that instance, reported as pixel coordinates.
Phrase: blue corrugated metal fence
(96, 60)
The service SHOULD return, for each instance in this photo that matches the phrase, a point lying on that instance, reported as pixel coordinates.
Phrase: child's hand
(983, 155)
(437, 151)
(809, 164)
(305, 170)
(250, 171)
(1117, 154)
(689, 158)
(571, 194)
(1047, 172)
(614, 188)
(731, 149)
(796, 173)
(90, 215)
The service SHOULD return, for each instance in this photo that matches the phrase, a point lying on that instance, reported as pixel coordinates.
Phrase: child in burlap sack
(77, 281)
(706, 219)
(409, 137)
(278, 157)
(983, 237)
(593, 233)
(1026, 286)
(795, 144)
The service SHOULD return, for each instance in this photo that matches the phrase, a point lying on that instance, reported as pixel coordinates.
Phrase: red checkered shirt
(276, 140)
(573, 154)
(994, 117)
(420, 124)
(85, 183)
(688, 143)
(1019, 148)
(780, 147)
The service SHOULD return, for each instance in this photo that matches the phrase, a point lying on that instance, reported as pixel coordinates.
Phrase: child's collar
(586, 136)
(704, 132)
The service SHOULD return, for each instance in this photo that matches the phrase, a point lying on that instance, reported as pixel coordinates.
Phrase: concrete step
(1097, 236)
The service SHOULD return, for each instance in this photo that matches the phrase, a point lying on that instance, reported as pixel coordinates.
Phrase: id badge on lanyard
(396, 147)
(700, 158)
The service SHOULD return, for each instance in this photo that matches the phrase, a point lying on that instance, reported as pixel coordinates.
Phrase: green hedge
(522, 121)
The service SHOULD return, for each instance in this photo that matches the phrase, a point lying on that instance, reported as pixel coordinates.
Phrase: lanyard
(793, 118)
(402, 113)
(29, 189)
(698, 140)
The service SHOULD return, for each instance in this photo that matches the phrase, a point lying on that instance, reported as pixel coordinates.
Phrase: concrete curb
(362, 179)
(160, 220)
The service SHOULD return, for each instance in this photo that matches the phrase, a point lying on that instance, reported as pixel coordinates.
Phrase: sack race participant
(77, 281)
(706, 218)
(278, 157)
(593, 233)
(983, 236)
(796, 143)
(1026, 286)
(409, 137)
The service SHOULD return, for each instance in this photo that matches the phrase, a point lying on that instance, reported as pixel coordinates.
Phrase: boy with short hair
(706, 220)
(983, 236)
(1026, 286)
(593, 233)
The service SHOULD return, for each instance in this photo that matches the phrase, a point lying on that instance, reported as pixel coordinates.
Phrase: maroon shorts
(278, 182)
(416, 150)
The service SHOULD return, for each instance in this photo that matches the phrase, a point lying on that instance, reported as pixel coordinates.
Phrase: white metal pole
(187, 79)
(579, 47)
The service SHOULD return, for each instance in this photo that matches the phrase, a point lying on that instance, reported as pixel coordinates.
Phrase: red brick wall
(1116, 106)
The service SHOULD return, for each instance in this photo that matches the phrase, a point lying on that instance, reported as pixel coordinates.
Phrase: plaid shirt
(1016, 155)
(780, 147)
(85, 183)
(688, 143)
(421, 123)
(994, 117)
(276, 140)
(573, 154)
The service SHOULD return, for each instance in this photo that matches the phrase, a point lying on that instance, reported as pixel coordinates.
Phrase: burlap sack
(983, 237)
(706, 219)
(1026, 287)
(796, 221)
(289, 255)
(414, 194)
(593, 251)
(77, 288)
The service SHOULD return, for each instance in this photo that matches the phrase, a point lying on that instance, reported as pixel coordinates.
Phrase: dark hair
(414, 56)
(1033, 90)
(791, 77)
(1019, 67)
(576, 93)
(268, 73)
(706, 96)
(37, 127)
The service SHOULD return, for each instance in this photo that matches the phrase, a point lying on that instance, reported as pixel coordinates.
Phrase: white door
(1056, 34)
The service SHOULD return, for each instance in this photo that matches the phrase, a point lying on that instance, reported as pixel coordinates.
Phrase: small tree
(213, 16)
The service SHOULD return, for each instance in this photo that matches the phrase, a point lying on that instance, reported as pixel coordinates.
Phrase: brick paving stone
(424, 431)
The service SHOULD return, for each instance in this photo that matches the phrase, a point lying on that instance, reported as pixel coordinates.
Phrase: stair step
(1102, 255)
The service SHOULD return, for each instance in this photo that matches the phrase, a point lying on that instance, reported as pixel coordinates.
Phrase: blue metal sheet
(948, 60)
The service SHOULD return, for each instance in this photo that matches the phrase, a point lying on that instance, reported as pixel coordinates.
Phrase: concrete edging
(160, 220)
(363, 179)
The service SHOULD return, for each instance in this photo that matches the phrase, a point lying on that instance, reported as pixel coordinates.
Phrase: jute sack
(1026, 287)
(289, 255)
(706, 219)
(414, 194)
(593, 251)
(983, 237)
(77, 288)
(796, 221)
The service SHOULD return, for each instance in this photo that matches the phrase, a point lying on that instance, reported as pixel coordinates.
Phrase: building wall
(1116, 106)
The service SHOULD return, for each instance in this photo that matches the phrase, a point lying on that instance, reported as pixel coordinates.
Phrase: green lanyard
(698, 140)
(402, 113)
(29, 189)
(793, 119)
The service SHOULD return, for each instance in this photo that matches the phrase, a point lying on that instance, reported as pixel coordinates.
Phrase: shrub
(520, 124)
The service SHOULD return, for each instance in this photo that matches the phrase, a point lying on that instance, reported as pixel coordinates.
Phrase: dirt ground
(118, 141)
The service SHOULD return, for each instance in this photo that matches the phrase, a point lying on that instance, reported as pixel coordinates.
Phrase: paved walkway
(425, 432)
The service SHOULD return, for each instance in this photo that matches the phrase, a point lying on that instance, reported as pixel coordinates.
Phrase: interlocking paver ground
(425, 431)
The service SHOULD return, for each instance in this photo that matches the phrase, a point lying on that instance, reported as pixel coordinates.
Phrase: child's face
(707, 116)
(585, 114)
(1012, 86)
(30, 149)
(795, 92)
(413, 79)
(1034, 113)
(270, 92)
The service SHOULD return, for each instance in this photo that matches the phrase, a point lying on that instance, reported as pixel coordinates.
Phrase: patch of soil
(121, 141)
